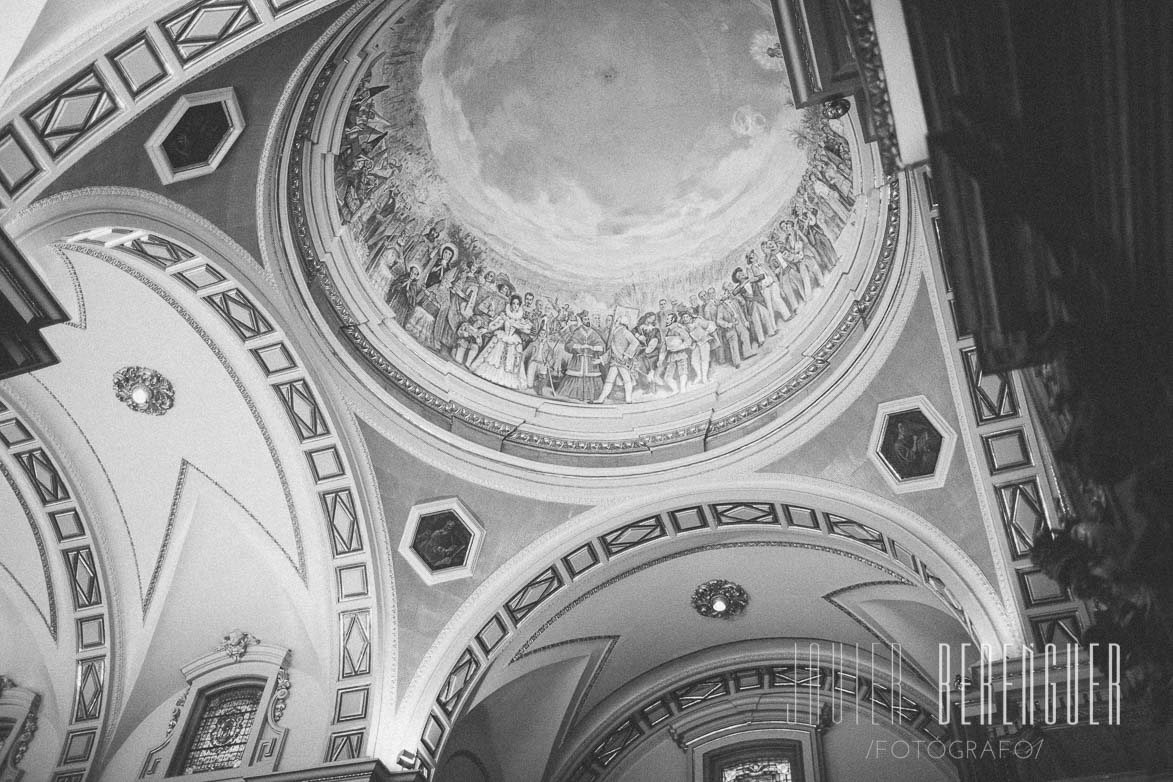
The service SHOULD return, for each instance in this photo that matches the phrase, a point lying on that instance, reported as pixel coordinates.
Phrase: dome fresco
(609, 202)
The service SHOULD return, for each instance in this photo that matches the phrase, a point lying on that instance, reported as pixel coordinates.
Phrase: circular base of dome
(559, 411)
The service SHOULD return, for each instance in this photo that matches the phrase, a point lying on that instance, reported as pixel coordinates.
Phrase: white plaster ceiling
(636, 616)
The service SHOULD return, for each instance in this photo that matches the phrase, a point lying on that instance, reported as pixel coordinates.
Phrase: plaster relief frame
(467, 518)
(226, 96)
(937, 478)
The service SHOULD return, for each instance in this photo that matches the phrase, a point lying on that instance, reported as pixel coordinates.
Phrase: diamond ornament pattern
(356, 644)
(83, 573)
(43, 473)
(206, 25)
(63, 119)
(89, 690)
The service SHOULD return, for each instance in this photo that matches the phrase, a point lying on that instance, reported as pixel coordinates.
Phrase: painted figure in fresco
(464, 295)
(460, 304)
(421, 249)
(429, 319)
(403, 292)
(500, 361)
(648, 354)
(912, 449)
(678, 352)
(834, 177)
(776, 303)
(702, 332)
(388, 251)
(624, 348)
(789, 291)
(732, 323)
(663, 313)
(789, 270)
(820, 246)
(708, 311)
(819, 197)
(468, 339)
(799, 257)
(543, 360)
(443, 547)
(761, 322)
(584, 375)
(447, 274)
(493, 296)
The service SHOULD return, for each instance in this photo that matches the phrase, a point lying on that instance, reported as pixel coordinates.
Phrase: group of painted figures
(474, 315)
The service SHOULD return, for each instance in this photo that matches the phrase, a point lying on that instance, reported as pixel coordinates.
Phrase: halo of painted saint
(498, 272)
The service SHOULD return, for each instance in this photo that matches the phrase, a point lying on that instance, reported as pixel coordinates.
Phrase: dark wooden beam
(26, 306)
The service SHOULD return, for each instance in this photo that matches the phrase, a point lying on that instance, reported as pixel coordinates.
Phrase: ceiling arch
(545, 580)
(215, 295)
(78, 669)
(95, 76)
(747, 687)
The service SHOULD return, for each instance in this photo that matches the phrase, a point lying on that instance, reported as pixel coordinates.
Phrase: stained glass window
(769, 760)
(221, 735)
(758, 770)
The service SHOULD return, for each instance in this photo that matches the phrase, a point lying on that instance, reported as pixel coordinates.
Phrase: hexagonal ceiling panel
(441, 540)
(911, 444)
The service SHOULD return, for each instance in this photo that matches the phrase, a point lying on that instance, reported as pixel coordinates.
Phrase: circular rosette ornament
(719, 599)
(144, 390)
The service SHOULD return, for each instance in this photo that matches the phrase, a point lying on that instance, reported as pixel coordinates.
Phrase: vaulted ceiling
(311, 434)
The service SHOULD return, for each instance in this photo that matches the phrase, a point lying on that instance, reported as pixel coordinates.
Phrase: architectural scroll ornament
(25, 738)
(144, 390)
(18, 706)
(280, 695)
(177, 710)
(235, 644)
(862, 27)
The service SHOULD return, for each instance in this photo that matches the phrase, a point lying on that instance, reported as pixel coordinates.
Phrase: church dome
(577, 233)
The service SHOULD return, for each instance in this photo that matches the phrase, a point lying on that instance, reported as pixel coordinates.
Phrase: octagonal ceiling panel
(522, 210)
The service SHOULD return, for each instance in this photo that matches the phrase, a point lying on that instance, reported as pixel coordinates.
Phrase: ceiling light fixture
(144, 390)
(719, 599)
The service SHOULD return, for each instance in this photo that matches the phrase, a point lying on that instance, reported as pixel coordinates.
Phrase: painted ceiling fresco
(599, 202)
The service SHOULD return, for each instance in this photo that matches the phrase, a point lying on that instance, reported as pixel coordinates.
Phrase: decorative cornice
(27, 731)
(94, 57)
(280, 695)
(177, 710)
(236, 644)
(871, 66)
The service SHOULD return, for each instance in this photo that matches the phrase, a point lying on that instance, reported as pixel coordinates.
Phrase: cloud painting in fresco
(595, 142)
